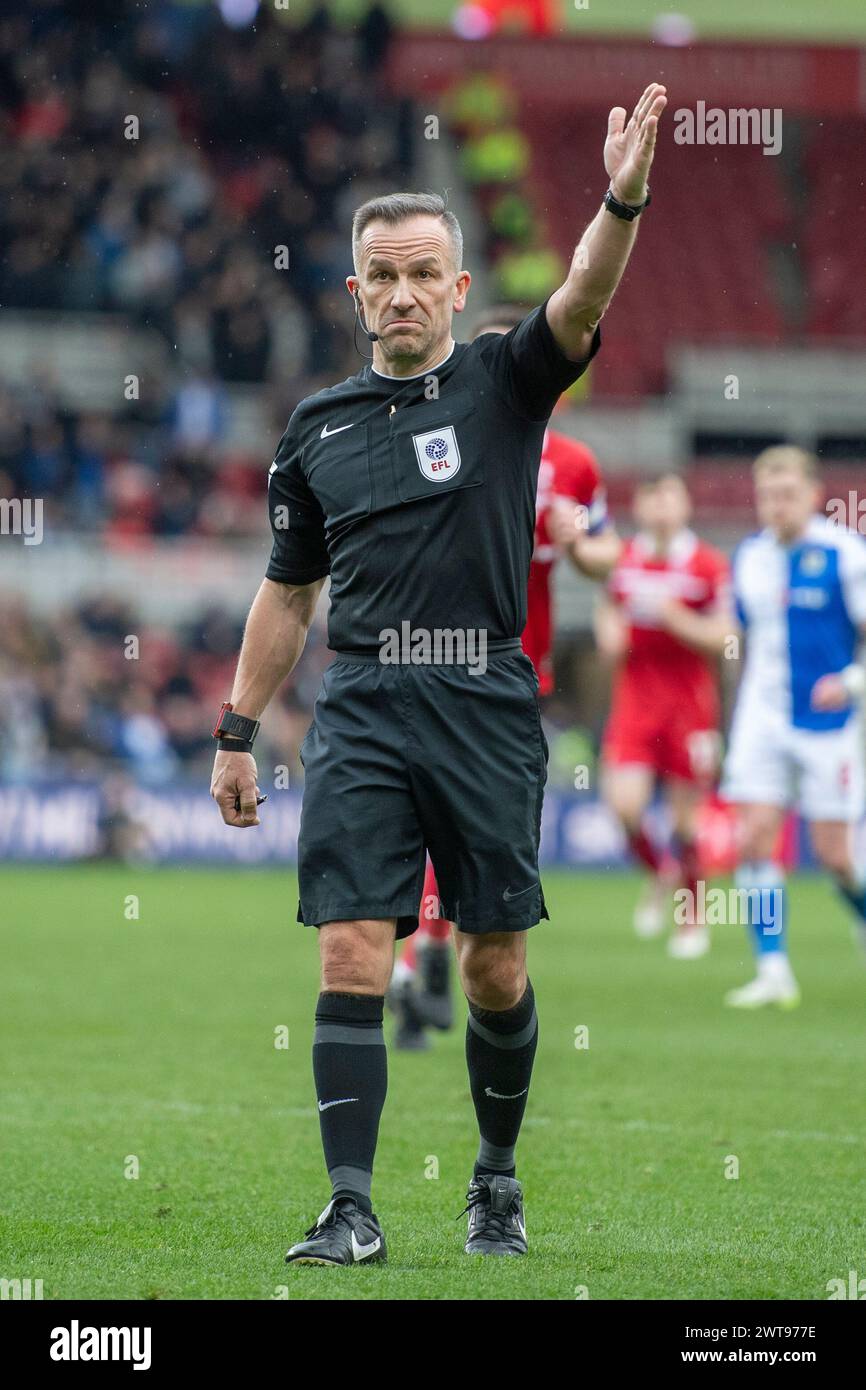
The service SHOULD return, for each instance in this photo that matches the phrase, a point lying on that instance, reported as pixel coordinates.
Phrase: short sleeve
(852, 573)
(529, 367)
(590, 489)
(598, 518)
(578, 477)
(300, 553)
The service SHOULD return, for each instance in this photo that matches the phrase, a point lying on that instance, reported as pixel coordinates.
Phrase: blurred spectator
(199, 414)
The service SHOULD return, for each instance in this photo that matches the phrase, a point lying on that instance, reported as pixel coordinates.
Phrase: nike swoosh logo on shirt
(363, 1252)
(326, 433)
(326, 1105)
(508, 895)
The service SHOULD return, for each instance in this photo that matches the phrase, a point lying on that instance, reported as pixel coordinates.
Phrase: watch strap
(228, 722)
(626, 211)
(234, 745)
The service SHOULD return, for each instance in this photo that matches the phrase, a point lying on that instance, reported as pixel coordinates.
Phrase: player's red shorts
(679, 740)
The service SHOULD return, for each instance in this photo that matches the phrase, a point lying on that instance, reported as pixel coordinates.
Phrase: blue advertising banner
(179, 824)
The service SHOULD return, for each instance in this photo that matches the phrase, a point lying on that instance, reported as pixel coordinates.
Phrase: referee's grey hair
(399, 207)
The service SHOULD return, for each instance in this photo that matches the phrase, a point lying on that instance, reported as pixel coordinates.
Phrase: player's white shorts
(820, 774)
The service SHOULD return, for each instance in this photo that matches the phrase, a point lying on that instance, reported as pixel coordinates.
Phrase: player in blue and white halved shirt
(797, 736)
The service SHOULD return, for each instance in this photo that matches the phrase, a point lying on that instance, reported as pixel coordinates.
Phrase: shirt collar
(414, 376)
(814, 530)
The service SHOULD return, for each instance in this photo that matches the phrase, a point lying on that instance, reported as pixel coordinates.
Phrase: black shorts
(403, 759)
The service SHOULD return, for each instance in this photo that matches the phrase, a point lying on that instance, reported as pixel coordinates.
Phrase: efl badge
(437, 454)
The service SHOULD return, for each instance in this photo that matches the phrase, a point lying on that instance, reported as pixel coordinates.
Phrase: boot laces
(330, 1217)
(496, 1222)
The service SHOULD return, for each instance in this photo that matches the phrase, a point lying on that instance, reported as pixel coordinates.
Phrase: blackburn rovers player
(571, 522)
(796, 739)
(413, 485)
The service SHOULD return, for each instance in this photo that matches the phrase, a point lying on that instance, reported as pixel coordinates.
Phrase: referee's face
(409, 288)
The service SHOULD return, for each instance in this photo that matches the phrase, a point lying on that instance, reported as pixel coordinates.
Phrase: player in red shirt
(665, 621)
(571, 519)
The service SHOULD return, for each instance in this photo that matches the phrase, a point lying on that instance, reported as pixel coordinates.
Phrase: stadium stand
(834, 162)
(76, 696)
(177, 230)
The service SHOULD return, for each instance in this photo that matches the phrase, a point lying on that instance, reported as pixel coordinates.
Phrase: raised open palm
(628, 149)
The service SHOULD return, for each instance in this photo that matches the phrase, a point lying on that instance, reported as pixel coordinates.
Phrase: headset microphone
(373, 337)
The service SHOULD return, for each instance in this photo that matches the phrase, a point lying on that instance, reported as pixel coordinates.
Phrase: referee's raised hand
(233, 788)
(628, 150)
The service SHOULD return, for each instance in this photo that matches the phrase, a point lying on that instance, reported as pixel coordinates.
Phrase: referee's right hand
(234, 783)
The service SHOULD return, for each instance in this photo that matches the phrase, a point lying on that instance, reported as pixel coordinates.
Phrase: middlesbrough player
(797, 733)
(571, 520)
(664, 620)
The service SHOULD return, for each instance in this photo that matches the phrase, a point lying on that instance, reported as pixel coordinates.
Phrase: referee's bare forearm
(599, 260)
(274, 638)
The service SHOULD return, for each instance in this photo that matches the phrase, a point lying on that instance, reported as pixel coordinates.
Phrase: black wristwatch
(242, 730)
(624, 210)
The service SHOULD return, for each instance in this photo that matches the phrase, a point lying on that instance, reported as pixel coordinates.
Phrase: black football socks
(351, 1074)
(500, 1049)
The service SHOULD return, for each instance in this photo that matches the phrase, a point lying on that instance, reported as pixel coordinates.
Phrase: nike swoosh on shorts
(508, 895)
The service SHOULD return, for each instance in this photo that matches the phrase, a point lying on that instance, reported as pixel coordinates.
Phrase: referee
(413, 485)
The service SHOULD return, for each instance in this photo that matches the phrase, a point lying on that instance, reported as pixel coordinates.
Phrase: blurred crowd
(157, 468)
(91, 692)
(496, 163)
(90, 688)
(198, 180)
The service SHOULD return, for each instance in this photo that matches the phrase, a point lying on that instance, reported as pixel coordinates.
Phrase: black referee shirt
(422, 509)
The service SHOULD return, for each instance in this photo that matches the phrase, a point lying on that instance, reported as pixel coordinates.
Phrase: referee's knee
(357, 957)
(493, 969)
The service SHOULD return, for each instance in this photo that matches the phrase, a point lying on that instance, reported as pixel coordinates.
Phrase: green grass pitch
(154, 1040)
(838, 21)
